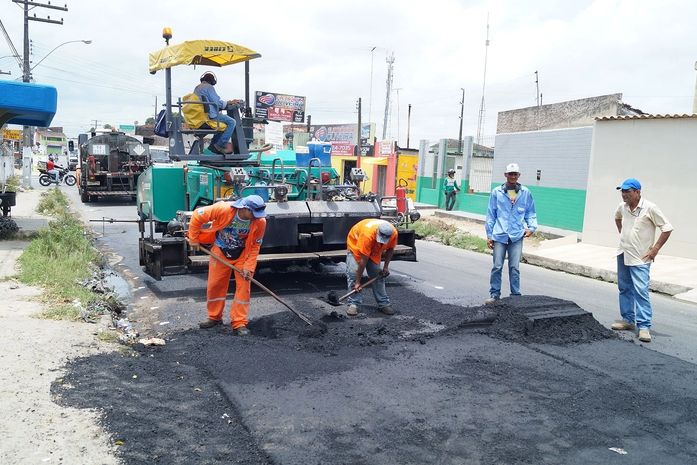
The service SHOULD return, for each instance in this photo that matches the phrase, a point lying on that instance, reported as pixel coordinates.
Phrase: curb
(598, 273)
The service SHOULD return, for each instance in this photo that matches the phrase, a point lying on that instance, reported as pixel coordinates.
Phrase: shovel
(264, 288)
(332, 298)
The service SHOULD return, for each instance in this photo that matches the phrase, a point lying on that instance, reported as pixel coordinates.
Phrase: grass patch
(59, 258)
(108, 336)
(449, 235)
(61, 312)
(53, 203)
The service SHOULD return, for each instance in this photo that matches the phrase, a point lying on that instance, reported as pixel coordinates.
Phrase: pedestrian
(367, 241)
(451, 189)
(637, 220)
(236, 230)
(510, 217)
(214, 106)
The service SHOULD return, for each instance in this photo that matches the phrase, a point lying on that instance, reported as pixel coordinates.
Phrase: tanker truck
(110, 164)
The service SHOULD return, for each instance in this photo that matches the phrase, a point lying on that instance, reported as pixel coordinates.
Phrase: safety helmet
(209, 77)
(451, 171)
(50, 157)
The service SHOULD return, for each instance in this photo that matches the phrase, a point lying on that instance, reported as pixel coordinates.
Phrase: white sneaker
(352, 310)
(491, 300)
(644, 335)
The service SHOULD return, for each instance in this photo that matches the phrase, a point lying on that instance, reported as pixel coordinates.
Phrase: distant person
(451, 189)
(215, 105)
(367, 241)
(52, 168)
(510, 217)
(637, 220)
(236, 230)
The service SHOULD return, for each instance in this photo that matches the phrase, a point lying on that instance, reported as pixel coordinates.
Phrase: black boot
(210, 323)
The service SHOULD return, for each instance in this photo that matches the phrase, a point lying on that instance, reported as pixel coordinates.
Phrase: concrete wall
(662, 154)
(574, 113)
(562, 157)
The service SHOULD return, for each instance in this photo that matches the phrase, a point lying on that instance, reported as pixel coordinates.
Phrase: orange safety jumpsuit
(205, 223)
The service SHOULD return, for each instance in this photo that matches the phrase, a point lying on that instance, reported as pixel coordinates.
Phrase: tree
(107, 126)
(150, 121)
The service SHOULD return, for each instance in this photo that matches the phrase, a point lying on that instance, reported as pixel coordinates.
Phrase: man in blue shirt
(206, 92)
(510, 218)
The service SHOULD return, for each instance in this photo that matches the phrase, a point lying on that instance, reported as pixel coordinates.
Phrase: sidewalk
(29, 222)
(35, 352)
(562, 251)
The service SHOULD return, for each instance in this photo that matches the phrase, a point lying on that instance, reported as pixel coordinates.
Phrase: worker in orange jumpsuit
(367, 241)
(236, 230)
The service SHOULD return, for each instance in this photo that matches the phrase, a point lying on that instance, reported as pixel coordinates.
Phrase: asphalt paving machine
(309, 210)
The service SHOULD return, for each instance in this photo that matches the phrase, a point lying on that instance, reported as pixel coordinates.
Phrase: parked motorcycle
(64, 176)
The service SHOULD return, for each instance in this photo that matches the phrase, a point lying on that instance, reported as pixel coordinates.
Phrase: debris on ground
(152, 341)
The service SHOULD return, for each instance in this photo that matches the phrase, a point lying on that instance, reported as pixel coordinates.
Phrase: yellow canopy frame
(200, 52)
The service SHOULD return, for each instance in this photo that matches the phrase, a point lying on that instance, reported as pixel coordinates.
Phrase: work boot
(491, 300)
(623, 326)
(241, 331)
(387, 310)
(644, 335)
(352, 310)
(210, 323)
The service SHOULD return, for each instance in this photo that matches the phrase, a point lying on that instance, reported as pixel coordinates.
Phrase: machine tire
(69, 180)
(45, 180)
(84, 197)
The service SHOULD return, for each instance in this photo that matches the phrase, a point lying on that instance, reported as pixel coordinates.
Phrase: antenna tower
(390, 69)
(480, 122)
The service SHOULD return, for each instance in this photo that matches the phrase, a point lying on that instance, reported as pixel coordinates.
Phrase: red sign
(279, 114)
(342, 148)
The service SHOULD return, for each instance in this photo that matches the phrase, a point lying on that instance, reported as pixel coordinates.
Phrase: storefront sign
(279, 107)
(12, 134)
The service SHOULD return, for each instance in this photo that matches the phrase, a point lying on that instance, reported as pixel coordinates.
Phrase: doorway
(348, 164)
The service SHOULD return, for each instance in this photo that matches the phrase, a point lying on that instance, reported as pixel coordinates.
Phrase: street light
(57, 47)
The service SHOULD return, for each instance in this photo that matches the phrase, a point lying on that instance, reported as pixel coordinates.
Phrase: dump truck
(110, 164)
(309, 209)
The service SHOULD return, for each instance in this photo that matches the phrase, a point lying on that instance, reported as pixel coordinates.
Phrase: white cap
(512, 168)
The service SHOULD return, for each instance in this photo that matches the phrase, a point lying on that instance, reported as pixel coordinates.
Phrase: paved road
(444, 273)
(420, 387)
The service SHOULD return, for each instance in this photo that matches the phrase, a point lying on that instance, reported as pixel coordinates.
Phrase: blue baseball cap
(254, 203)
(630, 183)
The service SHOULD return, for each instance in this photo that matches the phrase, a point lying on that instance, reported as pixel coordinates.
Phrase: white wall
(662, 154)
(562, 156)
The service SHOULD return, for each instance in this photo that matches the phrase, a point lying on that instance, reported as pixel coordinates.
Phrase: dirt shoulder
(34, 429)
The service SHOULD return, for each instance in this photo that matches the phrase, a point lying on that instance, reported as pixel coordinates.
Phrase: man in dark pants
(451, 189)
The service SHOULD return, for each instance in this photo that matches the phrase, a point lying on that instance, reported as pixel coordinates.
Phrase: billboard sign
(279, 107)
(12, 134)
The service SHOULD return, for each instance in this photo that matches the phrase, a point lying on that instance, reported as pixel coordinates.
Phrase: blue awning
(27, 104)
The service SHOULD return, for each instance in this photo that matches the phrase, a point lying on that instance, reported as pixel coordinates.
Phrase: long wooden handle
(363, 286)
(264, 288)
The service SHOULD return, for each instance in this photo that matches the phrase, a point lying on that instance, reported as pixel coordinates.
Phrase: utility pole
(26, 77)
(370, 98)
(462, 114)
(694, 99)
(358, 142)
(390, 68)
(408, 124)
(481, 107)
(398, 131)
(537, 85)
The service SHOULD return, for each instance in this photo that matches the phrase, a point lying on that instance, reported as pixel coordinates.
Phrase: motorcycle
(64, 176)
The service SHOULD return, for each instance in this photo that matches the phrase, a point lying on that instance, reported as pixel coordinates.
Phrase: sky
(334, 52)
